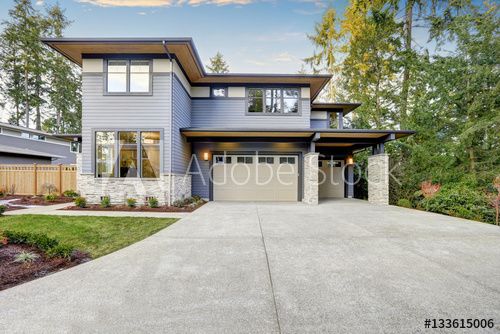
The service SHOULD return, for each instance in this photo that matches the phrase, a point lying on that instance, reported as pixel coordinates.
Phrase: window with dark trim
(127, 154)
(283, 101)
(128, 76)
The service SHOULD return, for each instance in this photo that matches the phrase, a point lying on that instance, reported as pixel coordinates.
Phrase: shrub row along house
(154, 123)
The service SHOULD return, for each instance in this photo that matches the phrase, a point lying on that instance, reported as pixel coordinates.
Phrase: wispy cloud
(142, 13)
(163, 3)
(284, 57)
(39, 2)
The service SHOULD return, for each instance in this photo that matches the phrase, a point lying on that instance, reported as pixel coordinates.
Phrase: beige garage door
(330, 179)
(255, 177)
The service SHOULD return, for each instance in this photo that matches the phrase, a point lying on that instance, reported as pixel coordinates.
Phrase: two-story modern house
(154, 123)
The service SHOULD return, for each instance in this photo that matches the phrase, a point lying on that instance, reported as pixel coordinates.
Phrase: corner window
(105, 153)
(273, 100)
(219, 92)
(128, 76)
(75, 147)
(137, 153)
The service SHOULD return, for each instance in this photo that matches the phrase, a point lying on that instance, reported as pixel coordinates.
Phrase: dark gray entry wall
(200, 169)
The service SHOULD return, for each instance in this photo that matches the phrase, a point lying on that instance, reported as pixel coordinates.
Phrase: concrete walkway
(56, 210)
(341, 267)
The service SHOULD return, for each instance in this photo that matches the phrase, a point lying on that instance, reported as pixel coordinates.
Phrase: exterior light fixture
(349, 160)
(205, 156)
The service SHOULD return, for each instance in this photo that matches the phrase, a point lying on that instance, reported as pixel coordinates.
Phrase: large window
(137, 153)
(128, 76)
(273, 100)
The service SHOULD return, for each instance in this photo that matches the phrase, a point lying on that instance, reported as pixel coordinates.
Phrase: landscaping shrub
(152, 202)
(196, 198)
(3, 192)
(460, 200)
(405, 203)
(178, 203)
(70, 193)
(131, 202)
(63, 251)
(50, 246)
(80, 202)
(50, 197)
(33, 239)
(105, 202)
(3, 208)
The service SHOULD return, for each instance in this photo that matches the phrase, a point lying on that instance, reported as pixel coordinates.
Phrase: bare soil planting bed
(14, 273)
(163, 208)
(38, 200)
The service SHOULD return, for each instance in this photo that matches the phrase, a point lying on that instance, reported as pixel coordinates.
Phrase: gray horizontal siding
(181, 149)
(231, 113)
(101, 111)
(319, 124)
(200, 177)
(62, 150)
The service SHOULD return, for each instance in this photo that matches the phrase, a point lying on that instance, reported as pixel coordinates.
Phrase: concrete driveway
(341, 267)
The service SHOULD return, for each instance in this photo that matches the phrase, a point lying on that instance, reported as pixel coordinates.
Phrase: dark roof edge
(409, 132)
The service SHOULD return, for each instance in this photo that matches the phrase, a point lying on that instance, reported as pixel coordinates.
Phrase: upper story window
(219, 92)
(128, 76)
(273, 101)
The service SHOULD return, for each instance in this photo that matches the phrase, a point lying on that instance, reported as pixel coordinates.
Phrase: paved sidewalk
(341, 267)
(55, 210)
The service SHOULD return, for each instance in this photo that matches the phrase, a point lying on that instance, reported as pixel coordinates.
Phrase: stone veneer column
(378, 179)
(311, 187)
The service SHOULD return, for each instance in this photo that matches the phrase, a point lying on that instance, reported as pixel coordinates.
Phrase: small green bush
(178, 203)
(70, 193)
(63, 251)
(3, 208)
(460, 200)
(80, 202)
(196, 198)
(152, 202)
(105, 202)
(131, 202)
(405, 203)
(50, 197)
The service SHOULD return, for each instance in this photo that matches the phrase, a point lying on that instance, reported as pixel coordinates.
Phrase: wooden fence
(37, 179)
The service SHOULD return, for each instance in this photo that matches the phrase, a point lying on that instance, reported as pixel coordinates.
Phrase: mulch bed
(37, 200)
(164, 208)
(14, 273)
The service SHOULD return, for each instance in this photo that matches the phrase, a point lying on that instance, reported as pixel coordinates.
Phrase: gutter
(170, 186)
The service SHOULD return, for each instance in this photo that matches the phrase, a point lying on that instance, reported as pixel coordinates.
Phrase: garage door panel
(255, 178)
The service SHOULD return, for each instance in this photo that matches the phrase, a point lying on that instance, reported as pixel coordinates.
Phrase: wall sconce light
(205, 156)
(350, 160)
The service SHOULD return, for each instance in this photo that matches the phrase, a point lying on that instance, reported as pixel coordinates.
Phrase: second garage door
(255, 177)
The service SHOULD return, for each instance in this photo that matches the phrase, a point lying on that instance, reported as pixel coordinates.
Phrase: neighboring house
(154, 123)
(20, 145)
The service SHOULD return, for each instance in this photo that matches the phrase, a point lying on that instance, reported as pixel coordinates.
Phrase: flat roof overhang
(345, 107)
(27, 152)
(184, 50)
(327, 138)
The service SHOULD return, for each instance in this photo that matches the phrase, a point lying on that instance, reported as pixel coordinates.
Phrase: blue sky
(268, 36)
(254, 36)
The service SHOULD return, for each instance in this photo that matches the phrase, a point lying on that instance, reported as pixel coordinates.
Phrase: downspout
(170, 186)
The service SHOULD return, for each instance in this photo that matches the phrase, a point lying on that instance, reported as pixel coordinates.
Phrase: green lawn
(96, 235)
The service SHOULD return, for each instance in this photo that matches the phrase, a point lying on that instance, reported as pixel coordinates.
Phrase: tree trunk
(406, 71)
(27, 102)
(58, 121)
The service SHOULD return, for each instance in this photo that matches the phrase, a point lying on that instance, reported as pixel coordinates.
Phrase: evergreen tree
(218, 64)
